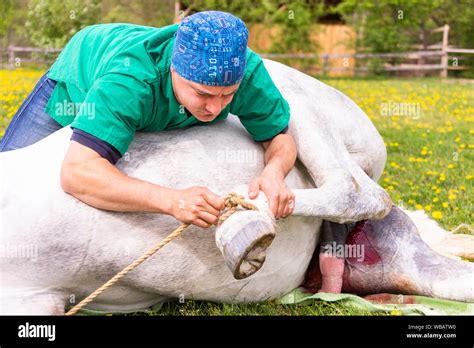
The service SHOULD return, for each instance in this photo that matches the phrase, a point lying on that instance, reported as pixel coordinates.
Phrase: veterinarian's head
(208, 62)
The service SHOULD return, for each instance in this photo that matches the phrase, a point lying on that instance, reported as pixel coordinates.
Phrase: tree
(396, 25)
(295, 19)
(6, 15)
(51, 23)
(155, 13)
(388, 25)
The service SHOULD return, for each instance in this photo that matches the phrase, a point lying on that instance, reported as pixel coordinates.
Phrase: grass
(427, 125)
(430, 147)
(201, 308)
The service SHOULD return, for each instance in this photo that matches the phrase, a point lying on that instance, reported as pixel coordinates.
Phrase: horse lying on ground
(75, 248)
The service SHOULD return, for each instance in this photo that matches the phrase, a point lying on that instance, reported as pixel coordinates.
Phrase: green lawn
(429, 140)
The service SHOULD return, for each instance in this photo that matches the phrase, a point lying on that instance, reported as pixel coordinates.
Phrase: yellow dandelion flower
(445, 205)
(394, 164)
(437, 214)
(452, 196)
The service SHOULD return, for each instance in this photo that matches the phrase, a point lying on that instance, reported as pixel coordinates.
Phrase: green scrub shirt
(114, 80)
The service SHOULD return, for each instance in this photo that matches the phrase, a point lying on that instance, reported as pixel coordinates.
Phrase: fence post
(444, 50)
(325, 64)
(11, 58)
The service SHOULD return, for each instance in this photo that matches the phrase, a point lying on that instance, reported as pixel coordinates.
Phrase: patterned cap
(210, 48)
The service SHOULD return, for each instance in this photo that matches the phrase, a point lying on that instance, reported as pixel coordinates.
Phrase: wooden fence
(419, 62)
(420, 56)
(15, 55)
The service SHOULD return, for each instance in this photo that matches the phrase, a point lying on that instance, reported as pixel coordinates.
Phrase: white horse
(56, 249)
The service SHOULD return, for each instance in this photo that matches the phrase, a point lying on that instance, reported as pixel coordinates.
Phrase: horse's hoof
(243, 240)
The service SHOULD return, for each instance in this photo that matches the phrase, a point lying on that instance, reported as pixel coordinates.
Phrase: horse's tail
(448, 243)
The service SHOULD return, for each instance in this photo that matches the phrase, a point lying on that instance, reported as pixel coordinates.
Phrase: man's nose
(214, 106)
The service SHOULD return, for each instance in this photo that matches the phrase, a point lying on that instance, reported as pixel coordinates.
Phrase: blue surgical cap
(210, 48)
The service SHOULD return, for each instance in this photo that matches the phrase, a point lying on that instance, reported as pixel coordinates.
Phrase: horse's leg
(396, 260)
(344, 192)
(328, 127)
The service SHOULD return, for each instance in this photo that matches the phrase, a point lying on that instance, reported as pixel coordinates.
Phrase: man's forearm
(101, 185)
(280, 155)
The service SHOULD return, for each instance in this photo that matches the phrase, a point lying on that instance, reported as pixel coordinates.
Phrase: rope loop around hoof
(232, 202)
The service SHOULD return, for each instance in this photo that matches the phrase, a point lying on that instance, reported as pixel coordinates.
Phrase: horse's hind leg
(343, 169)
(396, 260)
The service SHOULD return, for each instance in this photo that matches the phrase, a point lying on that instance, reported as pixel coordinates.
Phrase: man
(115, 79)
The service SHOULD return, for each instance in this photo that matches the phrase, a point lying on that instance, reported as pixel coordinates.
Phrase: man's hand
(197, 206)
(281, 200)
(280, 157)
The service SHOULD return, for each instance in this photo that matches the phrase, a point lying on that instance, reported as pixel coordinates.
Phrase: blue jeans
(30, 123)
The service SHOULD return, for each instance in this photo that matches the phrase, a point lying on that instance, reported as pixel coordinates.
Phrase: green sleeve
(261, 108)
(114, 108)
